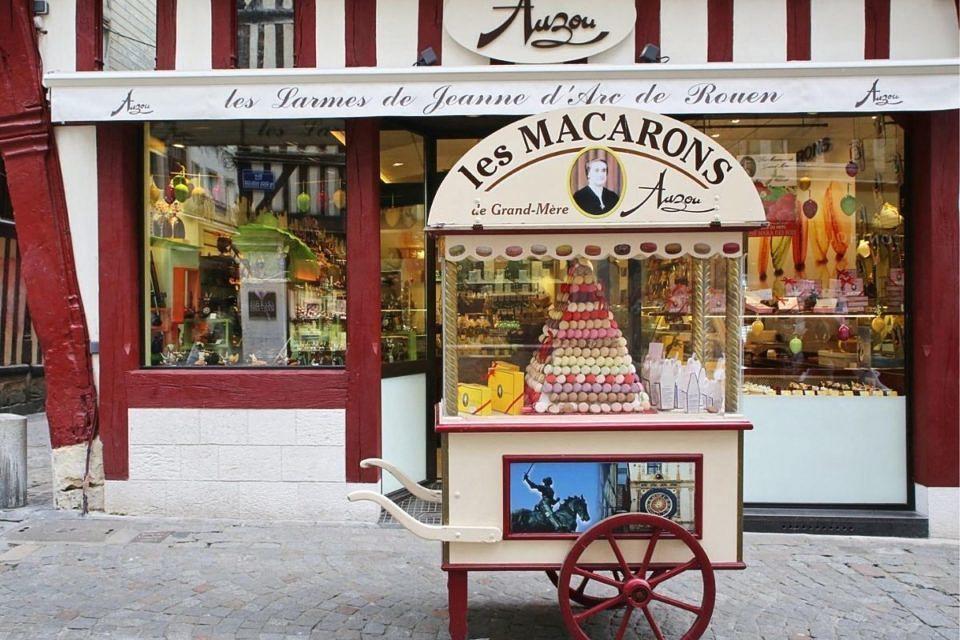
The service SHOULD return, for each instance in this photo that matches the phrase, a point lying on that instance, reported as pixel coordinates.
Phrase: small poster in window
(262, 305)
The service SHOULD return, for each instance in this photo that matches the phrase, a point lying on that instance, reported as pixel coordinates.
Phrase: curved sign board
(539, 31)
(602, 167)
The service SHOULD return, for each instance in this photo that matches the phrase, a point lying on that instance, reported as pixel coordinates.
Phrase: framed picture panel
(561, 496)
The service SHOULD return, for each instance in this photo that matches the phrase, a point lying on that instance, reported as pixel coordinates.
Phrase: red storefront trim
(934, 252)
(361, 35)
(647, 28)
(798, 29)
(224, 36)
(363, 297)
(89, 35)
(877, 29)
(119, 158)
(430, 27)
(231, 389)
(166, 34)
(719, 30)
(305, 33)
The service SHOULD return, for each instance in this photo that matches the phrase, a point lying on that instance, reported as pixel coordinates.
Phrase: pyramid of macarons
(582, 365)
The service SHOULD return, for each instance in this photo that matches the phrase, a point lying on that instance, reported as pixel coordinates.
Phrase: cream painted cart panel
(476, 472)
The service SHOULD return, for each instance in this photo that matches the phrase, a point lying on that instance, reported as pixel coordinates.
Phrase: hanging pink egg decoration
(843, 332)
(810, 207)
(852, 169)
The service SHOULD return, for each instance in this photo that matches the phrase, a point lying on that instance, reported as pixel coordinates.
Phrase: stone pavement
(65, 576)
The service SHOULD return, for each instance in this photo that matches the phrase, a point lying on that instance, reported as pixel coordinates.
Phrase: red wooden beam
(798, 29)
(361, 35)
(119, 176)
(237, 388)
(89, 35)
(934, 239)
(719, 30)
(647, 28)
(48, 269)
(876, 44)
(305, 33)
(224, 36)
(166, 34)
(430, 27)
(363, 296)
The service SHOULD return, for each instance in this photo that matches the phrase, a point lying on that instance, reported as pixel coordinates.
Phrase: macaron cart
(575, 441)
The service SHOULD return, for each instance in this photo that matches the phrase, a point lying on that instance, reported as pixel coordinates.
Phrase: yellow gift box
(473, 399)
(506, 388)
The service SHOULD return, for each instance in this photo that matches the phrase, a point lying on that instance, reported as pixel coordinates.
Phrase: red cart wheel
(581, 597)
(635, 587)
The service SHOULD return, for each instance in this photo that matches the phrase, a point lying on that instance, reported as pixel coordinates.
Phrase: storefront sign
(502, 90)
(597, 167)
(257, 180)
(544, 31)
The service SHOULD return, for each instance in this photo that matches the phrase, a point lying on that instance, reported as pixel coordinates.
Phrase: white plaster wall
(455, 55)
(397, 25)
(58, 45)
(759, 30)
(837, 30)
(77, 150)
(194, 35)
(331, 34)
(923, 29)
(624, 52)
(403, 432)
(941, 505)
(285, 464)
(683, 31)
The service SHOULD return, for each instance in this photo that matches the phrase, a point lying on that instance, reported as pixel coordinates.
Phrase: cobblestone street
(64, 576)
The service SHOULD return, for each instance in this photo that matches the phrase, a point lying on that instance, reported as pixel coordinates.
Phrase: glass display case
(567, 332)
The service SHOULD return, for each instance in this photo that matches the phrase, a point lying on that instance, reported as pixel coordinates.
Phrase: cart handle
(427, 531)
(427, 495)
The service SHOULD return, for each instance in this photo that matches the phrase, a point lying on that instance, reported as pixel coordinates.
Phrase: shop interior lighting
(179, 145)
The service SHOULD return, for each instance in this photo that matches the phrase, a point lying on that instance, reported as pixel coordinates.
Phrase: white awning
(716, 88)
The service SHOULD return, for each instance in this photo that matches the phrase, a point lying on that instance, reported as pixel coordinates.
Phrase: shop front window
(265, 34)
(245, 244)
(825, 312)
(403, 294)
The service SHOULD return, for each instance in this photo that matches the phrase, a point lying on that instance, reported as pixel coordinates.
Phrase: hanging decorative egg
(198, 192)
(804, 183)
(217, 190)
(339, 198)
(322, 199)
(181, 192)
(852, 169)
(877, 324)
(796, 345)
(756, 328)
(843, 332)
(155, 192)
(303, 202)
(810, 208)
(848, 204)
(863, 249)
